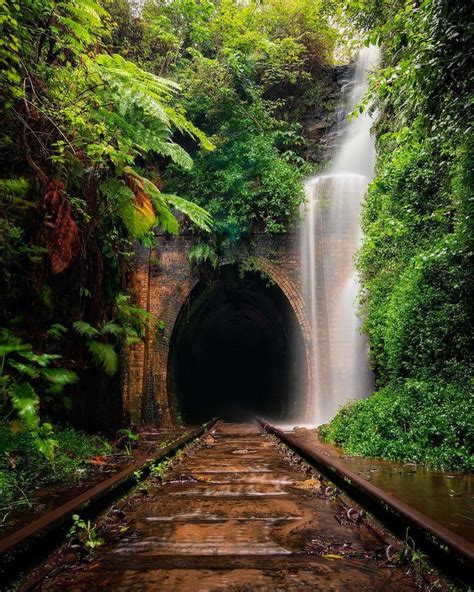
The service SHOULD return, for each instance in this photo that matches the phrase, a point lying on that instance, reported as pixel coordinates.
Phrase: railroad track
(23, 547)
(237, 513)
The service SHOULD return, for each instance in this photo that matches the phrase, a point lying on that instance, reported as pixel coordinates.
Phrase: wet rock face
(322, 124)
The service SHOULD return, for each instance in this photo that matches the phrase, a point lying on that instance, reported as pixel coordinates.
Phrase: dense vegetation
(23, 469)
(417, 256)
(251, 73)
(110, 113)
(115, 117)
(83, 134)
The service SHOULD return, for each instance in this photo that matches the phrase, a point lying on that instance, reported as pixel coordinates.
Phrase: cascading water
(330, 236)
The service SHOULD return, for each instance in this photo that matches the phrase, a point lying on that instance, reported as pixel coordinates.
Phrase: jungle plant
(103, 354)
(252, 264)
(416, 256)
(202, 253)
(94, 131)
(129, 437)
(24, 469)
(160, 469)
(86, 533)
(22, 374)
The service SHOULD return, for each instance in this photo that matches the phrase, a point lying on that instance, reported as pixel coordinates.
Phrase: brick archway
(162, 282)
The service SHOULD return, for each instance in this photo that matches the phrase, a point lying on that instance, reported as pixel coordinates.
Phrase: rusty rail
(439, 537)
(24, 539)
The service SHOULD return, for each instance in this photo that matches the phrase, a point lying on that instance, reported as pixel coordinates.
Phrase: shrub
(425, 421)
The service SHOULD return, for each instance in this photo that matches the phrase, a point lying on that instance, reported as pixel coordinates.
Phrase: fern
(203, 252)
(60, 377)
(13, 192)
(137, 219)
(131, 88)
(104, 355)
(195, 213)
(177, 154)
(186, 126)
(111, 328)
(56, 331)
(85, 329)
(84, 19)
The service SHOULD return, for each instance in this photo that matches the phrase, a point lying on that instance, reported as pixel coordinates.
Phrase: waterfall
(329, 238)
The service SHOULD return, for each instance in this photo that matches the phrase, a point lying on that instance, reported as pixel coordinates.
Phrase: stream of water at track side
(329, 238)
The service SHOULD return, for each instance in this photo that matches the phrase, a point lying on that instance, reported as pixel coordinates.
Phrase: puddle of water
(447, 498)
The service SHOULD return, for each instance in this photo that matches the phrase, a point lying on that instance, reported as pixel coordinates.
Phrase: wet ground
(447, 498)
(235, 515)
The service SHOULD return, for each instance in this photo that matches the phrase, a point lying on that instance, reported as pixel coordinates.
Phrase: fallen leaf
(97, 460)
(308, 484)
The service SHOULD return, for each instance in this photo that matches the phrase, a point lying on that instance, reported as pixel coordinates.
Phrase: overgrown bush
(249, 73)
(428, 421)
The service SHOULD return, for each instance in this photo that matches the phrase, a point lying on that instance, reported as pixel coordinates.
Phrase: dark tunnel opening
(236, 351)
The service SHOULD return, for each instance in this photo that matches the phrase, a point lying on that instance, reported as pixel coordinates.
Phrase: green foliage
(160, 469)
(103, 354)
(86, 533)
(85, 136)
(22, 374)
(416, 257)
(247, 71)
(204, 253)
(253, 265)
(130, 438)
(425, 421)
(133, 320)
(245, 184)
(129, 327)
(23, 468)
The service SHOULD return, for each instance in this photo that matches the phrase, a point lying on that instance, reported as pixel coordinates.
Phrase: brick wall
(161, 281)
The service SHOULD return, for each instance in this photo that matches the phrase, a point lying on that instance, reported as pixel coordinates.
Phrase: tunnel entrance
(236, 351)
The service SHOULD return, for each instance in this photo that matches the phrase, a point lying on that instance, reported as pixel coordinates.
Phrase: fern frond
(85, 329)
(60, 376)
(14, 191)
(195, 213)
(203, 252)
(186, 126)
(137, 215)
(111, 328)
(164, 215)
(135, 88)
(81, 33)
(175, 152)
(85, 14)
(104, 355)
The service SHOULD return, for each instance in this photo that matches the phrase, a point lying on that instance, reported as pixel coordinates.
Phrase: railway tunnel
(236, 351)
